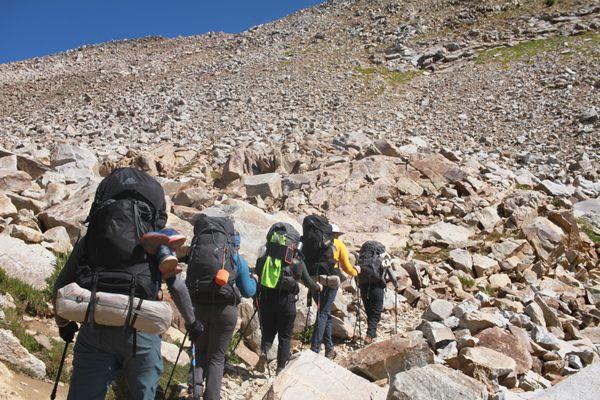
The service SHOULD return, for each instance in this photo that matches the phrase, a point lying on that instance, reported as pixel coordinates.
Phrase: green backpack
(278, 269)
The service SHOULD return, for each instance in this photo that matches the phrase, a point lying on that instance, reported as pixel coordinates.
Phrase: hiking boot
(167, 261)
(369, 339)
(261, 364)
(331, 353)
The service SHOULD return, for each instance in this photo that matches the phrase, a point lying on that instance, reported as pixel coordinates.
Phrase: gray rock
(74, 162)
(169, 352)
(435, 382)
(542, 337)
(31, 263)
(484, 265)
(308, 372)
(437, 334)
(390, 356)
(438, 310)
(462, 260)
(581, 386)
(543, 235)
(444, 233)
(13, 353)
(264, 185)
(556, 189)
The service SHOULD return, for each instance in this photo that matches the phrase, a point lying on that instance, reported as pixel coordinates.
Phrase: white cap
(336, 229)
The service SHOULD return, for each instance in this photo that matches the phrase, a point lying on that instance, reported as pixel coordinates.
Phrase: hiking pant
(372, 298)
(324, 325)
(219, 323)
(102, 351)
(277, 315)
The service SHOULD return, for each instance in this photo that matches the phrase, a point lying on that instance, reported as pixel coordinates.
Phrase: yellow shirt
(340, 253)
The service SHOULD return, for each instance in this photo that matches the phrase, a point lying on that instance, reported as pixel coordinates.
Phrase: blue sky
(30, 28)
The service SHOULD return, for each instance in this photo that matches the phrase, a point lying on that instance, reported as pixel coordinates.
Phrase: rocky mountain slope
(461, 134)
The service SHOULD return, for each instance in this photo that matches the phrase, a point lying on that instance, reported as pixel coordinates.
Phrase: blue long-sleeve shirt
(244, 281)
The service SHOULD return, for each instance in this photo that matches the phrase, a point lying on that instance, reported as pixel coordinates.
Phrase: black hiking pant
(219, 322)
(277, 312)
(372, 298)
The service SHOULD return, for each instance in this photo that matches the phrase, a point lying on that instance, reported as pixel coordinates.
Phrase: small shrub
(306, 335)
(550, 3)
(466, 281)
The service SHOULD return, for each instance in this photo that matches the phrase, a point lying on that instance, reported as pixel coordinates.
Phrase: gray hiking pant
(219, 323)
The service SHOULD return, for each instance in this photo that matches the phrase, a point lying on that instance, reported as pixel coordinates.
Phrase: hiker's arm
(345, 260)
(244, 282)
(181, 297)
(392, 276)
(306, 279)
(68, 274)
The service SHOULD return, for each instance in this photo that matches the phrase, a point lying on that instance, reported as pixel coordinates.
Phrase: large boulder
(74, 162)
(588, 210)
(7, 208)
(504, 342)
(13, 353)
(30, 263)
(251, 222)
(390, 356)
(443, 233)
(14, 181)
(311, 376)
(264, 185)
(72, 212)
(486, 360)
(435, 382)
(584, 385)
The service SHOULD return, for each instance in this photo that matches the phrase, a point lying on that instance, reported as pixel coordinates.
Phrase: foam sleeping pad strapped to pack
(317, 245)
(153, 317)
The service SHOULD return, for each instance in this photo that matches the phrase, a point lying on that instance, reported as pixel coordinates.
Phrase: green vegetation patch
(526, 51)
(466, 281)
(392, 78)
(589, 230)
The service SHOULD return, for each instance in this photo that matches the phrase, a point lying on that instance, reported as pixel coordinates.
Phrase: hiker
(110, 259)
(318, 251)
(217, 277)
(279, 268)
(375, 268)
(340, 253)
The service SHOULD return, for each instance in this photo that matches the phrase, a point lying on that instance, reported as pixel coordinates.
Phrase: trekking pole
(193, 371)
(175, 365)
(309, 306)
(395, 312)
(60, 367)
(242, 335)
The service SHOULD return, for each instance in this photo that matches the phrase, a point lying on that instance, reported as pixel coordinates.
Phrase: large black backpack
(279, 267)
(371, 264)
(212, 249)
(127, 204)
(317, 245)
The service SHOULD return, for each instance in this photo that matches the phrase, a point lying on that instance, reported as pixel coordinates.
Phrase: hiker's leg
(93, 368)
(285, 327)
(220, 335)
(143, 371)
(268, 322)
(365, 297)
(375, 308)
(203, 314)
(328, 336)
(319, 327)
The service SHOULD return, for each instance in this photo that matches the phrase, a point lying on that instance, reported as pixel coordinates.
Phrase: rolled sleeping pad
(154, 317)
